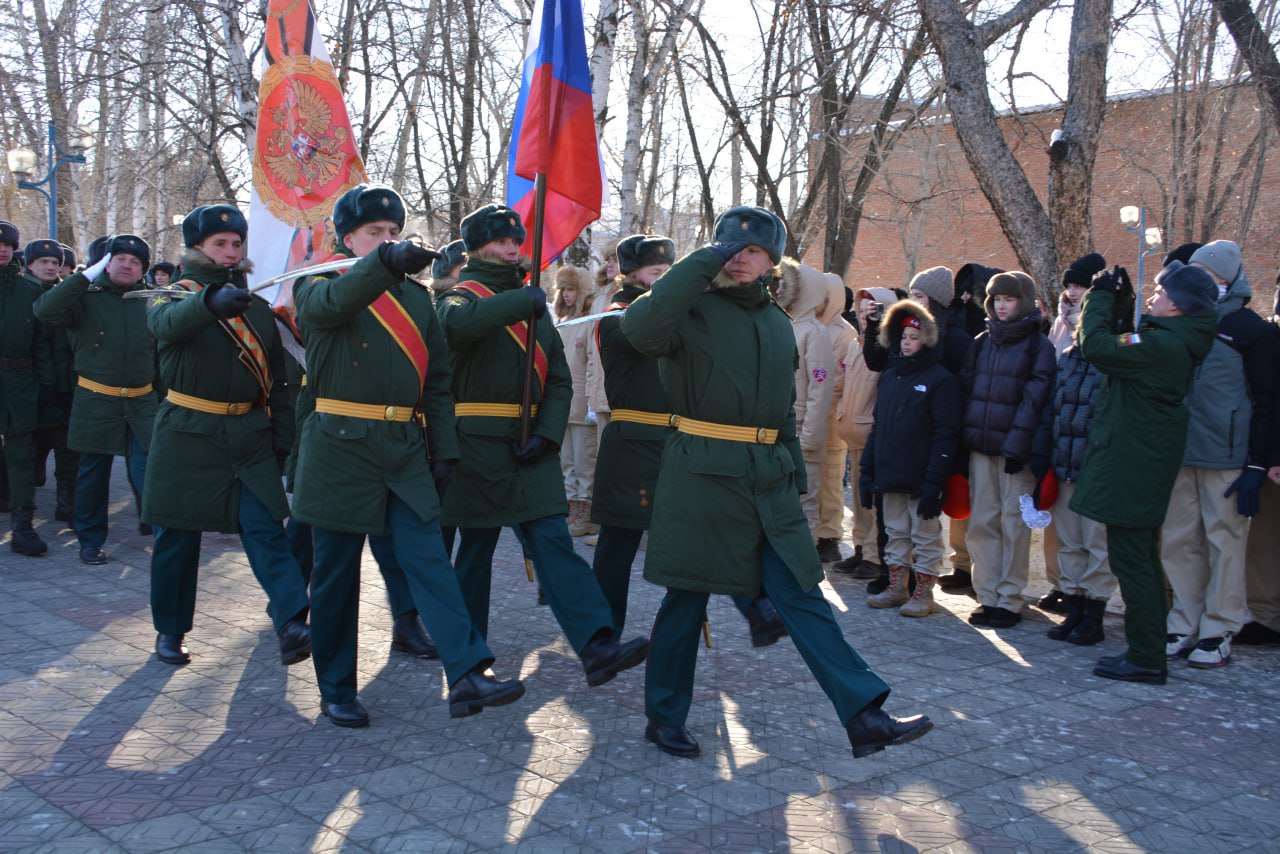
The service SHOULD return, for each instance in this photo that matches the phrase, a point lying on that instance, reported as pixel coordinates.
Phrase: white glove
(95, 271)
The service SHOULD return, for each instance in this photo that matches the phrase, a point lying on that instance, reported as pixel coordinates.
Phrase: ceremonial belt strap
(388, 311)
(491, 410)
(114, 391)
(660, 419)
(729, 432)
(213, 407)
(518, 331)
(367, 411)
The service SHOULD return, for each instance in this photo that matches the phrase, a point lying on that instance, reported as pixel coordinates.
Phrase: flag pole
(535, 279)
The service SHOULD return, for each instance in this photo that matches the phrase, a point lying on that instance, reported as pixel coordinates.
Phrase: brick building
(925, 208)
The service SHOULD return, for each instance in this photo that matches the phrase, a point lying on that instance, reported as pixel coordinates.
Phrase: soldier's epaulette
(456, 296)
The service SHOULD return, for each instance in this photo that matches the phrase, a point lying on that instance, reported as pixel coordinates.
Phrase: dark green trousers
(18, 450)
(673, 648)
(572, 593)
(175, 564)
(1134, 554)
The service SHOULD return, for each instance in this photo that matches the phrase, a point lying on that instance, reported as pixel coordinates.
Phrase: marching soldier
(727, 513)
(220, 437)
(26, 383)
(498, 480)
(115, 402)
(46, 261)
(378, 452)
(631, 449)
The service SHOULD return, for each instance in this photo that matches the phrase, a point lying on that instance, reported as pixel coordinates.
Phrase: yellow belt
(367, 411)
(661, 419)
(730, 432)
(114, 391)
(491, 410)
(213, 407)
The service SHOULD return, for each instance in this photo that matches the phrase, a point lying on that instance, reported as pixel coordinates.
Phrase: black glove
(866, 490)
(930, 506)
(539, 298)
(1012, 466)
(535, 449)
(1246, 488)
(725, 251)
(406, 257)
(226, 301)
(442, 473)
(1115, 280)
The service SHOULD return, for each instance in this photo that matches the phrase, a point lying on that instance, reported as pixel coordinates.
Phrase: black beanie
(1182, 253)
(1082, 270)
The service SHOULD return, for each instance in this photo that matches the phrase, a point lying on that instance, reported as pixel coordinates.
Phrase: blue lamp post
(1149, 242)
(22, 163)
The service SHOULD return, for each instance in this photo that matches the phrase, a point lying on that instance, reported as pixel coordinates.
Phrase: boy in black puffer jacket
(909, 455)
(1008, 378)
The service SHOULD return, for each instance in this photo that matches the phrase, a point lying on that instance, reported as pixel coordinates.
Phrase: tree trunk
(1256, 48)
(602, 59)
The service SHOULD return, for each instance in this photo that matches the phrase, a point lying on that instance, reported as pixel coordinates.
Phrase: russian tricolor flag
(554, 132)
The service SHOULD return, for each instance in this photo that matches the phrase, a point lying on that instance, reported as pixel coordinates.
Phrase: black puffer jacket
(955, 342)
(1008, 380)
(1071, 413)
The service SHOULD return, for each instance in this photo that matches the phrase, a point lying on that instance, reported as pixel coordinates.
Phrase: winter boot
(828, 549)
(765, 624)
(66, 500)
(896, 593)
(880, 582)
(959, 581)
(921, 602)
(577, 519)
(1089, 631)
(850, 563)
(25, 539)
(1075, 613)
(592, 527)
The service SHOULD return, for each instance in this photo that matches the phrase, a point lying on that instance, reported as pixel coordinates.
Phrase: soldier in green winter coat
(631, 448)
(378, 452)
(26, 386)
(500, 481)
(1137, 439)
(727, 516)
(45, 263)
(116, 399)
(220, 437)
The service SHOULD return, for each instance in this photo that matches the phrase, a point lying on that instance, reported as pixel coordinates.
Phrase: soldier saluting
(377, 452)
(500, 481)
(220, 437)
(727, 517)
(115, 358)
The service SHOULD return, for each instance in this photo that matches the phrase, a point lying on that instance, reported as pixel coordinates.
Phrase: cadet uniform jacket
(727, 356)
(113, 347)
(1140, 414)
(58, 413)
(630, 452)
(25, 359)
(489, 488)
(197, 458)
(346, 465)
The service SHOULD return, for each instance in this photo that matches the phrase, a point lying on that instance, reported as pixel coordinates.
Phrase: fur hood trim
(802, 290)
(193, 260)
(891, 327)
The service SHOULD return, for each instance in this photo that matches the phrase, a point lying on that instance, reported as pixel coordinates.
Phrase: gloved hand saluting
(227, 301)
(406, 257)
(1115, 280)
(95, 271)
(725, 251)
(1246, 488)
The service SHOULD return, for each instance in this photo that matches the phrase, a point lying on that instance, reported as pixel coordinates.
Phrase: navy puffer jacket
(1072, 412)
(1008, 380)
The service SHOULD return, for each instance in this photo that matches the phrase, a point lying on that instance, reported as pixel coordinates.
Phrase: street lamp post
(22, 163)
(1149, 241)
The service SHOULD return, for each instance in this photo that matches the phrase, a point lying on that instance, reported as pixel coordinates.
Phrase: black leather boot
(872, 730)
(850, 563)
(479, 689)
(295, 641)
(1090, 631)
(675, 740)
(880, 584)
(1075, 613)
(408, 635)
(604, 658)
(25, 539)
(171, 650)
(766, 625)
(352, 715)
(66, 500)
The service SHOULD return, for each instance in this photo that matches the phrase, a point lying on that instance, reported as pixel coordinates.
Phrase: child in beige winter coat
(830, 528)
(578, 454)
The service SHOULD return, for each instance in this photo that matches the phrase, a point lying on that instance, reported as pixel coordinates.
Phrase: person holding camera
(1136, 444)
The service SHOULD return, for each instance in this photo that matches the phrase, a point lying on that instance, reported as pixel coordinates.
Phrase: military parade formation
(409, 424)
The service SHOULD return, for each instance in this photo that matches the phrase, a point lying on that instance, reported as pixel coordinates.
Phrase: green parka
(490, 489)
(347, 466)
(1140, 415)
(197, 459)
(64, 369)
(112, 346)
(630, 454)
(727, 356)
(22, 342)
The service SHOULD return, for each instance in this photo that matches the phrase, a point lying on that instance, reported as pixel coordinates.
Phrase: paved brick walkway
(102, 748)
